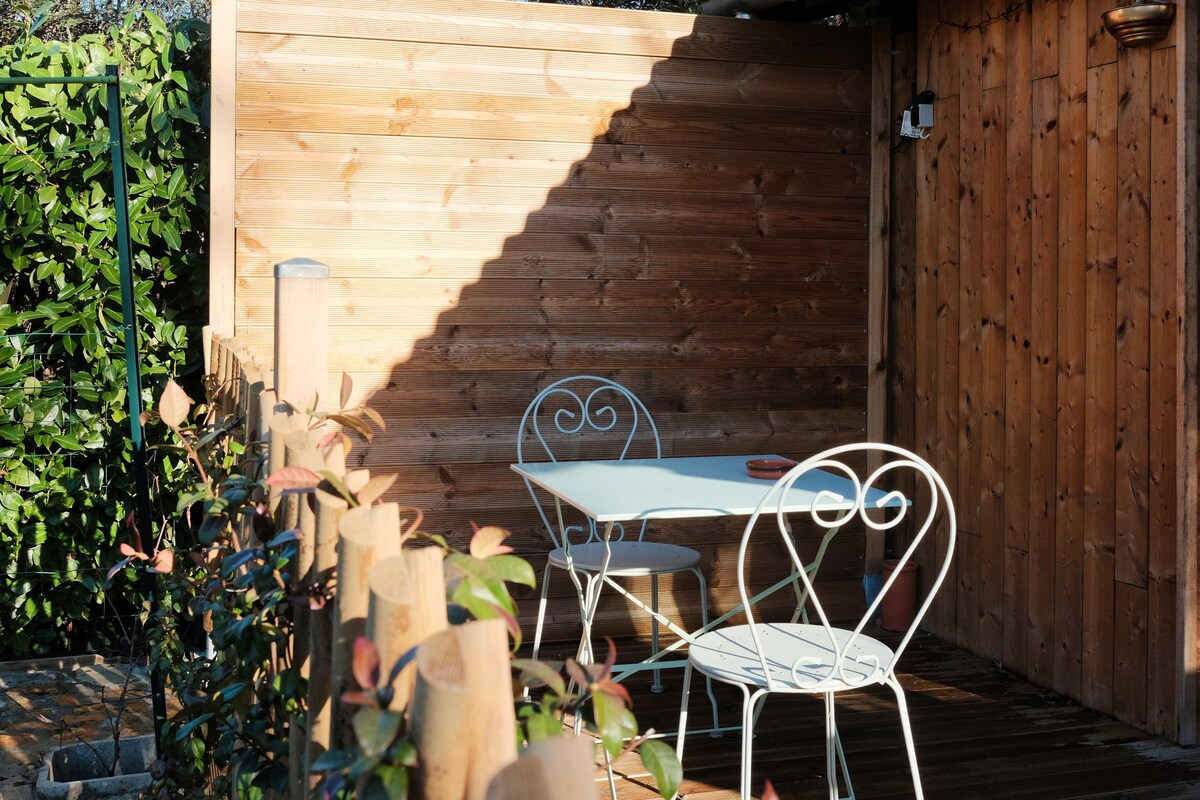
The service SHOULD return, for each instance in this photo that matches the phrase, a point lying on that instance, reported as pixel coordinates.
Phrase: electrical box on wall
(918, 117)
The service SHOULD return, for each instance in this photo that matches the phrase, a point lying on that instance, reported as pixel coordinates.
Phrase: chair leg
(683, 711)
(681, 735)
(750, 704)
(841, 754)
(541, 615)
(831, 766)
(585, 654)
(835, 756)
(712, 698)
(655, 685)
(908, 739)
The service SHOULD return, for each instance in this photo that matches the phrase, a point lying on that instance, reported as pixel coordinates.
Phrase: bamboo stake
(266, 415)
(298, 740)
(330, 509)
(255, 419)
(407, 606)
(429, 593)
(208, 340)
(391, 622)
(281, 424)
(300, 452)
(561, 768)
(462, 718)
(440, 713)
(368, 534)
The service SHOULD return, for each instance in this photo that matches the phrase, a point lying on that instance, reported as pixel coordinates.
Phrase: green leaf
(542, 673)
(513, 569)
(176, 183)
(543, 726)
(388, 783)
(332, 760)
(171, 236)
(375, 730)
(229, 692)
(67, 442)
(186, 730)
(157, 26)
(21, 476)
(614, 721)
(659, 760)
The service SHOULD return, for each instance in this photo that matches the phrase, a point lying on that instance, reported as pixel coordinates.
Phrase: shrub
(65, 483)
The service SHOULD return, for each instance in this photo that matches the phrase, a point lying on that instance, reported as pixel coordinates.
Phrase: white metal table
(613, 492)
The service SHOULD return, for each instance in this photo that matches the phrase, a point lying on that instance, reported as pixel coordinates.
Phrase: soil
(49, 702)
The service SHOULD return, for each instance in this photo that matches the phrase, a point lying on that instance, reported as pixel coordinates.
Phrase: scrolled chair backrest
(587, 409)
(832, 510)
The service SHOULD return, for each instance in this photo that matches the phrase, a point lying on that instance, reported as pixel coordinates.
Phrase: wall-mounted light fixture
(1139, 23)
(918, 117)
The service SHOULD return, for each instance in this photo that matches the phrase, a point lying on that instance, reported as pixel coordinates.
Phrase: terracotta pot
(899, 605)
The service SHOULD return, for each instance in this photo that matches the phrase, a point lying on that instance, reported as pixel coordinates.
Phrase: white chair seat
(629, 558)
(803, 658)
(728, 654)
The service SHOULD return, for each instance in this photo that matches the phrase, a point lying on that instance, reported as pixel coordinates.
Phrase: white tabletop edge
(712, 486)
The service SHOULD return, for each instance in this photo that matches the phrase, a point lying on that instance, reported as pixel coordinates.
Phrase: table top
(679, 488)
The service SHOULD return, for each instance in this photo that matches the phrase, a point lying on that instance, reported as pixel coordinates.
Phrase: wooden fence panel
(509, 193)
(1070, 449)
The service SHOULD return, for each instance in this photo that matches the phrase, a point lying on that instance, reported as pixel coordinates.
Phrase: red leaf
(131, 531)
(347, 388)
(486, 542)
(577, 674)
(174, 405)
(769, 791)
(612, 655)
(163, 562)
(615, 690)
(366, 663)
(358, 698)
(126, 550)
(294, 478)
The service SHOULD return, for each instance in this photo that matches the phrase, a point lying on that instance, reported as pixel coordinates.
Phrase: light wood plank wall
(1039, 342)
(509, 193)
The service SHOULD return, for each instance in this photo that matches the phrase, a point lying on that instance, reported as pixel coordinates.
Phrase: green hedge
(65, 479)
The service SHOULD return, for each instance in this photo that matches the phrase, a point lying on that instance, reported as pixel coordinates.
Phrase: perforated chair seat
(629, 559)
(763, 658)
(729, 655)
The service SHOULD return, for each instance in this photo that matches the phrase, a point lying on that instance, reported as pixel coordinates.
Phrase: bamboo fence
(457, 692)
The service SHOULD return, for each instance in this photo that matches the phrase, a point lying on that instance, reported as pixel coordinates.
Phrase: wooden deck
(981, 733)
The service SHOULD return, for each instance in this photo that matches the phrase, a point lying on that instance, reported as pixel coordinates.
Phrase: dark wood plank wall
(1037, 303)
(510, 193)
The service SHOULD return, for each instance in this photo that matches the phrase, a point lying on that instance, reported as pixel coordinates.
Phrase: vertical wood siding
(1045, 332)
(509, 193)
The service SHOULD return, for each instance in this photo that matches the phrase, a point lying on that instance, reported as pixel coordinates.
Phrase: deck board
(981, 733)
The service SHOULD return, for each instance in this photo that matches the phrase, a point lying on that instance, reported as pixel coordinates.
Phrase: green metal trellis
(133, 379)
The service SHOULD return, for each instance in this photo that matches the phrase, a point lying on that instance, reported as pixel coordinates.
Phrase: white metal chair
(591, 417)
(821, 659)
